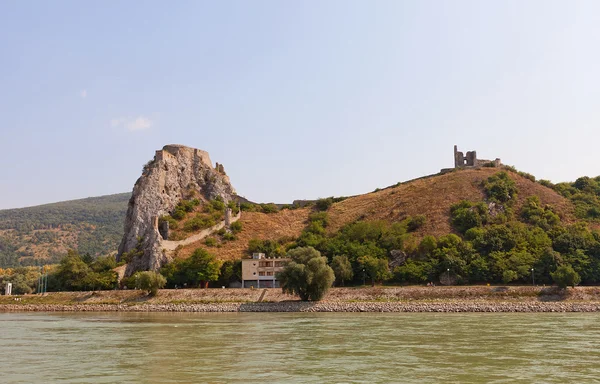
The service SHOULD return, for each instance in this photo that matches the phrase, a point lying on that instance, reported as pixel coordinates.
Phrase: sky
(298, 99)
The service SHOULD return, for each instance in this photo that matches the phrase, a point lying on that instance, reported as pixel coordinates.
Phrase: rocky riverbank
(356, 299)
(442, 307)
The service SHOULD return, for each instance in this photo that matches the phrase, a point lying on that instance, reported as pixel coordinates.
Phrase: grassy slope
(431, 196)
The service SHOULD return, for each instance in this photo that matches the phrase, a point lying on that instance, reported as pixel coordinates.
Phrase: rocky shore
(442, 307)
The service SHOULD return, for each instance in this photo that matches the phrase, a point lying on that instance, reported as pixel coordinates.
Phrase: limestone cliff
(176, 172)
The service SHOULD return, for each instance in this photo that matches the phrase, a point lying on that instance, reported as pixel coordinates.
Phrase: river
(298, 348)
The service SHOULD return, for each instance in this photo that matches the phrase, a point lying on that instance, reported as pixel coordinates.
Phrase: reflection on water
(281, 347)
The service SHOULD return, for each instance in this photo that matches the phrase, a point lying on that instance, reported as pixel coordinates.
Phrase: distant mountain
(42, 234)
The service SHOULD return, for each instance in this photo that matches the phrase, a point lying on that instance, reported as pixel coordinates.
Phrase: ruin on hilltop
(470, 160)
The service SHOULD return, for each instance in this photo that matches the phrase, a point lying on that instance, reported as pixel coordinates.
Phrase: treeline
(74, 272)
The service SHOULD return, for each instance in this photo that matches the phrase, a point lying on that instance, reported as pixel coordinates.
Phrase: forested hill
(42, 234)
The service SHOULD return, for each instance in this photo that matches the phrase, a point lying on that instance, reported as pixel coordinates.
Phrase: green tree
(307, 274)
(72, 273)
(342, 268)
(150, 281)
(508, 276)
(377, 269)
(565, 276)
(202, 267)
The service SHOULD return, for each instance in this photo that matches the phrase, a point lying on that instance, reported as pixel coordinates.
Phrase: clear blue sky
(298, 99)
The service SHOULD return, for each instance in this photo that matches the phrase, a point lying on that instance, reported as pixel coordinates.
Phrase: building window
(262, 274)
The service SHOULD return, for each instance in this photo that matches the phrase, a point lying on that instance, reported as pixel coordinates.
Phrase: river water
(298, 348)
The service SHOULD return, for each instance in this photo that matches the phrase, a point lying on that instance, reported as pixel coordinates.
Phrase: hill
(42, 234)
(430, 196)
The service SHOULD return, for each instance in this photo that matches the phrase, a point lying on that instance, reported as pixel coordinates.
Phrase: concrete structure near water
(260, 271)
(8, 289)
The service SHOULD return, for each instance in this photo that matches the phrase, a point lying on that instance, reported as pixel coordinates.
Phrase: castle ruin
(470, 160)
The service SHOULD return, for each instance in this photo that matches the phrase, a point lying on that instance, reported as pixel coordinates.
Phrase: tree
(566, 276)
(72, 272)
(307, 274)
(151, 281)
(377, 269)
(342, 268)
(202, 267)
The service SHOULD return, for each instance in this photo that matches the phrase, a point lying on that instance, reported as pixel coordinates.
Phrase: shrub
(236, 227)
(500, 188)
(306, 275)
(228, 236)
(268, 247)
(150, 281)
(269, 208)
(565, 276)
(198, 222)
(320, 217)
(217, 205)
(247, 207)
(178, 214)
(528, 176)
(416, 222)
(324, 204)
(466, 215)
(210, 241)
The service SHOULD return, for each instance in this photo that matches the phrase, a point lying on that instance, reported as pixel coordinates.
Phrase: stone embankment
(445, 307)
(355, 299)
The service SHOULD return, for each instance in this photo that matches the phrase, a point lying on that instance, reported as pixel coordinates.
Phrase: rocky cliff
(176, 172)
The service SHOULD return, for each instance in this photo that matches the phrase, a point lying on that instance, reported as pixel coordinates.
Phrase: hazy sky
(298, 99)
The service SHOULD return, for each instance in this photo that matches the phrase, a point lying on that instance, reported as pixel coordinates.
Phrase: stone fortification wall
(175, 173)
(169, 245)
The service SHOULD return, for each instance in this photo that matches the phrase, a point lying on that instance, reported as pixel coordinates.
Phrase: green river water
(299, 348)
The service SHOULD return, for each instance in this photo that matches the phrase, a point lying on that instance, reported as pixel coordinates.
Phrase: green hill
(42, 234)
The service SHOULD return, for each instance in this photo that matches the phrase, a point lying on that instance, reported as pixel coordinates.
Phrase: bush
(269, 208)
(500, 188)
(199, 222)
(210, 242)
(228, 236)
(268, 247)
(217, 205)
(306, 275)
(236, 227)
(324, 204)
(466, 215)
(416, 222)
(247, 207)
(178, 214)
(565, 276)
(150, 281)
